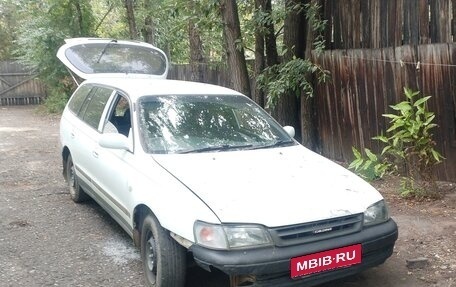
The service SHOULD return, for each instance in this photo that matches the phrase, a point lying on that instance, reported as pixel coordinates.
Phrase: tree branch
(104, 17)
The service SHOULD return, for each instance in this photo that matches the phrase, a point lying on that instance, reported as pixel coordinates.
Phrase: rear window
(95, 106)
(78, 99)
(111, 57)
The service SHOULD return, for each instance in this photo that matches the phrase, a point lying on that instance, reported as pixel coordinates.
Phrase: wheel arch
(139, 213)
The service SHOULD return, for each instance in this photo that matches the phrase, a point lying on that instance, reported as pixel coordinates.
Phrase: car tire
(162, 257)
(76, 192)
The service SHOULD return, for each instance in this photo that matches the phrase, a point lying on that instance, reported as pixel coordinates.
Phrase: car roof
(137, 87)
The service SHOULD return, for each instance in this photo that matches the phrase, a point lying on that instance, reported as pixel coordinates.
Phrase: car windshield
(203, 123)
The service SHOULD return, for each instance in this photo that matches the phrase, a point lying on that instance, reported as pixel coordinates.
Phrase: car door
(113, 168)
(85, 134)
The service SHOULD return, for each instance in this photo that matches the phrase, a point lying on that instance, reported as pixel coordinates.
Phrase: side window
(78, 98)
(120, 116)
(122, 107)
(95, 107)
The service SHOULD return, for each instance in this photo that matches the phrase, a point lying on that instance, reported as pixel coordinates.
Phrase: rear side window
(95, 106)
(78, 99)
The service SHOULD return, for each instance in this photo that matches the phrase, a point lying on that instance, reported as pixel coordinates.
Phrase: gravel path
(45, 238)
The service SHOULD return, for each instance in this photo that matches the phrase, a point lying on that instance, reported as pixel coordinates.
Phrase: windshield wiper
(278, 143)
(217, 148)
(104, 49)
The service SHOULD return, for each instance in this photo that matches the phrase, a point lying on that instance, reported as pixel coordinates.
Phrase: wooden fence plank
(423, 6)
(328, 7)
(388, 23)
(396, 24)
(366, 24)
(440, 21)
(375, 25)
(345, 23)
(384, 31)
(18, 85)
(337, 24)
(453, 20)
(356, 23)
(12, 87)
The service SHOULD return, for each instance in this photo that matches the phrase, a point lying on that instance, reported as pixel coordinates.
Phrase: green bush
(408, 147)
(368, 166)
(56, 101)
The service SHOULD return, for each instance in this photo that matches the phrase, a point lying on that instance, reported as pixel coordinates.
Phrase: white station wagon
(196, 172)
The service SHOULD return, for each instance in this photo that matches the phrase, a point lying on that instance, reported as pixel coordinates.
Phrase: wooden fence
(386, 23)
(366, 81)
(19, 86)
(212, 74)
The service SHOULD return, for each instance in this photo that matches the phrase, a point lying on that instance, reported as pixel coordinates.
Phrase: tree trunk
(272, 57)
(148, 29)
(196, 46)
(79, 16)
(294, 33)
(287, 110)
(258, 95)
(308, 113)
(234, 49)
(131, 19)
(104, 17)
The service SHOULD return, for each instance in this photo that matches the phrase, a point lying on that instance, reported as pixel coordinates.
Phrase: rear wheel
(163, 258)
(76, 192)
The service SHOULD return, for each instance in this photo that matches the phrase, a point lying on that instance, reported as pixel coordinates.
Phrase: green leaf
(402, 106)
(395, 126)
(429, 119)
(366, 165)
(421, 101)
(437, 156)
(356, 153)
(430, 126)
(353, 164)
(357, 163)
(386, 149)
(410, 94)
(395, 142)
(370, 155)
(391, 116)
(381, 138)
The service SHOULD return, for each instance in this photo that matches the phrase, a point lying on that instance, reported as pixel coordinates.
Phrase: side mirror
(114, 141)
(290, 131)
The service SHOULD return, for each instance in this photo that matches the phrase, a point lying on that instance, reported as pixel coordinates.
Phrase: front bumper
(271, 265)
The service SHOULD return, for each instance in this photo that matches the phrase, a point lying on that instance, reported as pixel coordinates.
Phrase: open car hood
(93, 57)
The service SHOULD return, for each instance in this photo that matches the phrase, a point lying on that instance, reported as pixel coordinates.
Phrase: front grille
(316, 230)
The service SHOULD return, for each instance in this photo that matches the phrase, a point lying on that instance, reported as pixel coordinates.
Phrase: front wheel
(163, 258)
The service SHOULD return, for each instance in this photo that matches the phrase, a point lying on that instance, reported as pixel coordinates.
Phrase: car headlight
(376, 213)
(219, 236)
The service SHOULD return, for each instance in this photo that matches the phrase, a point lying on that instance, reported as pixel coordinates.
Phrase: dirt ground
(47, 240)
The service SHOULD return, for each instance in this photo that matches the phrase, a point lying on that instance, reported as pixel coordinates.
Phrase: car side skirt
(90, 190)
